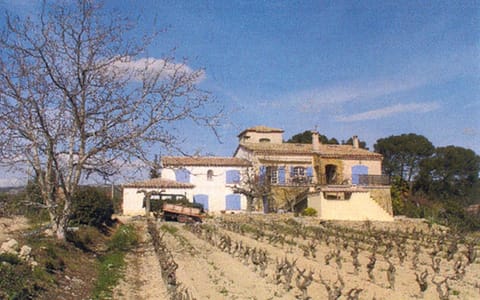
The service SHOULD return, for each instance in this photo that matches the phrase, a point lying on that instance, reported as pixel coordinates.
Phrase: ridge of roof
(261, 128)
(158, 183)
(204, 161)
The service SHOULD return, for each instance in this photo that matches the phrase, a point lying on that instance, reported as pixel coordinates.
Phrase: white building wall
(360, 207)
(255, 137)
(217, 189)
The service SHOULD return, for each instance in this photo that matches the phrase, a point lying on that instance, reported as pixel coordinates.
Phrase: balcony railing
(373, 180)
(323, 179)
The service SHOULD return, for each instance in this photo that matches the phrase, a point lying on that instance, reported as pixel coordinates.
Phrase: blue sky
(366, 68)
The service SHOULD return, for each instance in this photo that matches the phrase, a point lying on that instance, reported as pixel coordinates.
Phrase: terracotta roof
(261, 128)
(159, 183)
(333, 151)
(172, 161)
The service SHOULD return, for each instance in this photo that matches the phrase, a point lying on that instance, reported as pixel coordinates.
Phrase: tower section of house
(213, 179)
(297, 173)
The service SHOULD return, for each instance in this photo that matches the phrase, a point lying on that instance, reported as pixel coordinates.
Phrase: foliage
(9, 258)
(110, 272)
(111, 264)
(91, 207)
(18, 281)
(306, 138)
(80, 96)
(361, 144)
(451, 173)
(24, 202)
(309, 212)
(403, 153)
(124, 239)
(453, 214)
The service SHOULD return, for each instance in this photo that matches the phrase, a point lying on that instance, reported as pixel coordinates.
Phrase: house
(341, 182)
(205, 180)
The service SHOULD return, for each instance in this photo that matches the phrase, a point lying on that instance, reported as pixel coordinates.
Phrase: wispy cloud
(355, 91)
(153, 67)
(389, 111)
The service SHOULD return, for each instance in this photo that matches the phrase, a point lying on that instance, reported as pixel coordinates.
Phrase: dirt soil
(209, 273)
(143, 278)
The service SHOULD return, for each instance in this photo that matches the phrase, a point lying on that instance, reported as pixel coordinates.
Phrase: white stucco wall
(216, 189)
(359, 207)
(133, 201)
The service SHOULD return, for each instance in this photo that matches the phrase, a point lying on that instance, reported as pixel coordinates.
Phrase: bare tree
(253, 187)
(79, 95)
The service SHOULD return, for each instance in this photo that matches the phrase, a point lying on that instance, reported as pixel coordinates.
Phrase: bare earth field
(271, 257)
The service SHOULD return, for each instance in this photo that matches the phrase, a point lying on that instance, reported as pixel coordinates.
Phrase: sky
(367, 68)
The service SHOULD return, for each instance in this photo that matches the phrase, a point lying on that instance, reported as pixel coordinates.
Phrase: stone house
(340, 181)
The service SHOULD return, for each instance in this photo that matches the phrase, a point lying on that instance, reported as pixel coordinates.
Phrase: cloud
(390, 110)
(318, 99)
(150, 66)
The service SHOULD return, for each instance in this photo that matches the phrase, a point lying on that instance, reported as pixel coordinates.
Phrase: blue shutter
(262, 173)
(232, 202)
(202, 199)
(281, 175)
(182, 175)
(357, 171)
(309, 171)
(232, 176)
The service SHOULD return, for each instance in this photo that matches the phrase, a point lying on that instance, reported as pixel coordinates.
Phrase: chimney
(315, 141)
(355, 142)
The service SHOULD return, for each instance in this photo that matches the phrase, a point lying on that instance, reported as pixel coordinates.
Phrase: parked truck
(181, 213)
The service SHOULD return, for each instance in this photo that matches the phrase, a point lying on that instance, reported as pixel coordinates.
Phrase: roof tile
(172, 161)
(159, 183)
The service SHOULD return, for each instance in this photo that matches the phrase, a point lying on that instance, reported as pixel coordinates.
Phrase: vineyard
(279, 257)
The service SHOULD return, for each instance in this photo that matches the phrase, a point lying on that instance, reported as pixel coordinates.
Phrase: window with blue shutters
(232, 176)
(182, 175)
(357, 171)
(202, 199)
(232, 202)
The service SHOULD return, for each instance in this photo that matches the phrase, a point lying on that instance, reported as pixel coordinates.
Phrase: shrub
(91, 207)
(309, 212)
(17, 281)
(9, 258)
(124, 239)
(112, 263)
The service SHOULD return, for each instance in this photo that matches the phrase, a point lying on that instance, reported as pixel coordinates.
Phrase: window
(264, 140)
(273, 175)
(233, 176)
(298, 171)
(210, 175)
(182, 175)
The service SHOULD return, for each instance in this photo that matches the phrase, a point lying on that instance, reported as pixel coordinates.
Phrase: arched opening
(331, 174)
(210, 175)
